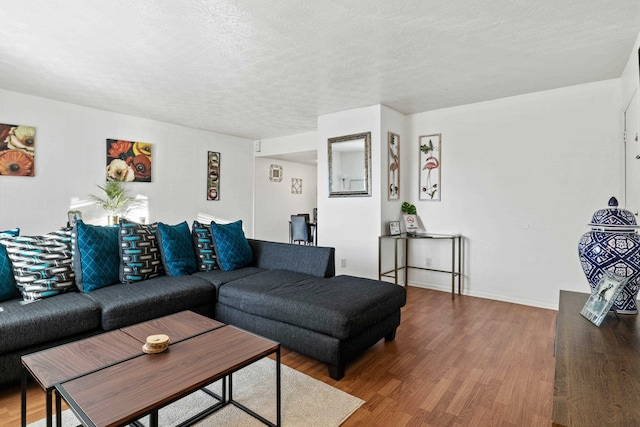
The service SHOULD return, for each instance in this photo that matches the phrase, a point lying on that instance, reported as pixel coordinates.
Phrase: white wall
(521, 178)
(274, 201)
(630, 104)
(70, 161)
(393, 121)
(350, 224)
(288, 144)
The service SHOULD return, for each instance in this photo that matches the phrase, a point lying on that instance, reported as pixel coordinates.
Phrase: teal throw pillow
(96, 259)
(176, 249)
(232, 249)
(8, 289)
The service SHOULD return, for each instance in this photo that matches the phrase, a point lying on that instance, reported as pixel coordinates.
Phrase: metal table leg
(278, 386)
(23, 399)
(49, 405)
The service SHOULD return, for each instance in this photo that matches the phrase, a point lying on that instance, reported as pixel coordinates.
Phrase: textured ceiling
(260, 69)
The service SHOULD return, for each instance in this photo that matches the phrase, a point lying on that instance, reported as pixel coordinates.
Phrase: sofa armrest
(317, 261)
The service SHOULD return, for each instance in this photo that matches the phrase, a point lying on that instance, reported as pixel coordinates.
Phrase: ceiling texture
(261, 69)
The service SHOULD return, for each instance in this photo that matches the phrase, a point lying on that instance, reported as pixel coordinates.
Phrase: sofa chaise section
(330, 319)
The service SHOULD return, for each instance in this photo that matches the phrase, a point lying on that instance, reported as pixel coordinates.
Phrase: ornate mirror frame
(350, 165)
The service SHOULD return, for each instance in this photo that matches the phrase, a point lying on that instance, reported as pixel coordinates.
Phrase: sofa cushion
(139, 252)
(41, 265)
(231, 246)
(317, 261)
(176, 249)
(219, 277)
(341, 306)
(96, 260)
(203, 246)
(26, 325)
(125, 304)
(8, 289)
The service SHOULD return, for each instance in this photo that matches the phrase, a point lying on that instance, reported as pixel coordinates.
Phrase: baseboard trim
(486, 295)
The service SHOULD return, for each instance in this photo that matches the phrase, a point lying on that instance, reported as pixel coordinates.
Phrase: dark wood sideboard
(597, 378)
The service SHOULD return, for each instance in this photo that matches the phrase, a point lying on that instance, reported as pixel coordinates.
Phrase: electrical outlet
(343, 262)
(427, 262)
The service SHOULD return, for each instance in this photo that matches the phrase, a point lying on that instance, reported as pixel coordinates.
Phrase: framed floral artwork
(128, 161)
(213, 176)
(393, 143)
(17, 150)
(430, 166)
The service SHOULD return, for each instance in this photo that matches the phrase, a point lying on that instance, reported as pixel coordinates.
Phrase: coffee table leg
(278, 423)
(49, 405)
(224, 390)
(23, 398)
(153, 419)
(58, 410)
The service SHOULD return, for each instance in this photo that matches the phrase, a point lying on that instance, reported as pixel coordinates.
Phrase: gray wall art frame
(393, 182)
(213, 175)
(430, 165)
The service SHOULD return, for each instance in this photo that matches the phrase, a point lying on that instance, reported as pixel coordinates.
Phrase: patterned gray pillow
(139, 252)
(41, 264)
(203, 245)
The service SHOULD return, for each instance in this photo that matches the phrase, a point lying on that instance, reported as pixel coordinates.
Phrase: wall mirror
(350, 165)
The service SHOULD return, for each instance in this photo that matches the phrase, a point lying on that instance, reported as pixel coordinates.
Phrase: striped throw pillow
(41, 264)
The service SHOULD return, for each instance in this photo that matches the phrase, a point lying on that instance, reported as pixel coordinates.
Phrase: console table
(597, 377)
(403, 239)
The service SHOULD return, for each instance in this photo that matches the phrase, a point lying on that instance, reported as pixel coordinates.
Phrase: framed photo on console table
(394, 228)
(602, 298)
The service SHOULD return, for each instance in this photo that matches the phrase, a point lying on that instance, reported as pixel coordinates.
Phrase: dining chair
(301, 230)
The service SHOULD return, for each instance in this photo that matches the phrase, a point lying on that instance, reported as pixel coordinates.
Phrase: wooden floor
(468, 362)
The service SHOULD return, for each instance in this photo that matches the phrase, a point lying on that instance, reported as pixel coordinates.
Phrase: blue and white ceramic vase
(613, 246)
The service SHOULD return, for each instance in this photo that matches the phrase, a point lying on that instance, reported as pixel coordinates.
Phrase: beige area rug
(305, 401)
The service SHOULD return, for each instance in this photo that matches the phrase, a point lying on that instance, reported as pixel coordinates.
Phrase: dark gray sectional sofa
(289, 293)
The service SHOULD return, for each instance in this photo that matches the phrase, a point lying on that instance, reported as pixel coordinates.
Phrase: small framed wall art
(393, 142)
(275, 173)
(296, 185)
(128, 161)
(17, 150)
(430, 166)
(213, 175)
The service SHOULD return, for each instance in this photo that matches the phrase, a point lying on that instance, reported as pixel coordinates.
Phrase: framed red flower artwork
(128, 161)
(17, 150)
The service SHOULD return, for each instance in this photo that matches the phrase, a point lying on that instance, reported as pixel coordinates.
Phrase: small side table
(457, 241)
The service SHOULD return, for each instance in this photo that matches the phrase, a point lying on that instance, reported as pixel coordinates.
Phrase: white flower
(118, 170)
(22, 138)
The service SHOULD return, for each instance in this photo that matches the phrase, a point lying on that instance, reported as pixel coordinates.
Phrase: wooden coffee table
(126, 391)
(57, 364)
